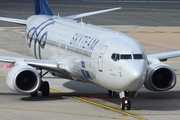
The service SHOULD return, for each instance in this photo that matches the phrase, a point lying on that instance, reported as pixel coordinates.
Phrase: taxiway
(155, 26)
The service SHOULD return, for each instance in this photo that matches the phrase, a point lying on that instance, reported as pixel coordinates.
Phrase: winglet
(90, 13)
(41, 7)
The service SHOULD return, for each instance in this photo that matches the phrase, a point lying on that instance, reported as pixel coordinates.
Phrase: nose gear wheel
(125, 104)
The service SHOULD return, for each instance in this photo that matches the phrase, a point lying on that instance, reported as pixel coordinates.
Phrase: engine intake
(160, 77)
(24, 79)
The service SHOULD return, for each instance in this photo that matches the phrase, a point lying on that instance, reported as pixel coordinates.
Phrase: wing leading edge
(40, 64)
(23, 22)
(165, 55)
(57, 66)
(13, 20)
(90, 13)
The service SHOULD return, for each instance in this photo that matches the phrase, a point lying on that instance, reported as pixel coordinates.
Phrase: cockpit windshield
(137, 56)
(116, 56)
(126, 56)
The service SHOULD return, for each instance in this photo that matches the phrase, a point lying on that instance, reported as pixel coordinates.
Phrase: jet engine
(24, 79)
(160, 77)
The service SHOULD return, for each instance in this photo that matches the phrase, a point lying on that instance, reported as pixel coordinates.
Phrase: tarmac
(78, 101)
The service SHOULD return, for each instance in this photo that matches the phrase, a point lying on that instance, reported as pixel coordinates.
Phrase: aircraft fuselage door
(100, 59)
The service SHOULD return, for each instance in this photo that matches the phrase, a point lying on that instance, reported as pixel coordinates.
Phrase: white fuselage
(104, 57)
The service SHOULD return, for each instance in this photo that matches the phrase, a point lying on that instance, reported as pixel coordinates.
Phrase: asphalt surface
(79, 101)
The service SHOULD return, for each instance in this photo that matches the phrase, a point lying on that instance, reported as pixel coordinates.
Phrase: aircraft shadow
(9, 94)
(146, 100)
(41, 98)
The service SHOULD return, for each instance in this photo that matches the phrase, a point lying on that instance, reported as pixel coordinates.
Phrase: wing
(23, 22)
(164, 56)
(90, 13)
(13, 20)
(41, 64)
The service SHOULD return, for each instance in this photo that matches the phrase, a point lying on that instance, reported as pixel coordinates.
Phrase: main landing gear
(125, 102)
(44, 88)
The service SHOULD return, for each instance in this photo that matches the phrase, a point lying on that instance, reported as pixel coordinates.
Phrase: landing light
(60, 66)
(126, 101)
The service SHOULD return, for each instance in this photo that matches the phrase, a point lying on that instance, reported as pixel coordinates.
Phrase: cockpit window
(115, 56)
(126, 56)
(137, 56)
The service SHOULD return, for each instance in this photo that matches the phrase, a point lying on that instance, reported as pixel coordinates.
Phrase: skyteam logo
(39, 36)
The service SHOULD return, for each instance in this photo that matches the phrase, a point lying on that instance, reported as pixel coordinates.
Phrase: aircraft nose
(133, 72)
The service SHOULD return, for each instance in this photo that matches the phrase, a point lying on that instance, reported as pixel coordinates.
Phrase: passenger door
(100, 60)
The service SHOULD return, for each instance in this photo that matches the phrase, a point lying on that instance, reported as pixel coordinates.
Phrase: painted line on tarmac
(49, 111)
(131, 32)
(132, 1)
(87, 101)
(56, 112)
(58, 92)
(152, 32)
(106, 7)
(90, 6)
(109, 108)
(54, 91)
(3, 75)
(152, 9)
(104, 106)
(15, 31)
(6, 65)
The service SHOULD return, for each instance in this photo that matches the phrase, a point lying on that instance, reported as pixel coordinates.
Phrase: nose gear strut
(125, 102)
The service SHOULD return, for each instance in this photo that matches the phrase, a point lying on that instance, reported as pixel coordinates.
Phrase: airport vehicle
(83, 52)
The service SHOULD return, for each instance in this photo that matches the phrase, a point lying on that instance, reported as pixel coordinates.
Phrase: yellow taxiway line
(87, 101)
(57, 112)
(103, 106)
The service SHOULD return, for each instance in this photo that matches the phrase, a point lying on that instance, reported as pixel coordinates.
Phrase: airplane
(78, 51)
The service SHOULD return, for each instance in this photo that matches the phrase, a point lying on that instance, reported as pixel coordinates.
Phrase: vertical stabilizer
(41, 7)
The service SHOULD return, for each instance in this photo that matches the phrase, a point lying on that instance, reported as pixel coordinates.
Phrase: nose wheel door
(100, 60)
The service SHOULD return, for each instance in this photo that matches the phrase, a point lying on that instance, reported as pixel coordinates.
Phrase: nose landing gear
(125, 102)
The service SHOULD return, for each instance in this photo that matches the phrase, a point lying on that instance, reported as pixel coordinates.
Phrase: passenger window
(115, 56)
(137, 56)
(126, 56)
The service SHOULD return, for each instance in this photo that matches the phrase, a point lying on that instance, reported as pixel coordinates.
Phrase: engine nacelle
(160, 77)
(24, 79)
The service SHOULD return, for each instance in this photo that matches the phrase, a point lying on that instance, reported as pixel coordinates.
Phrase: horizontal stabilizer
(90, 13)
(12, 20)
